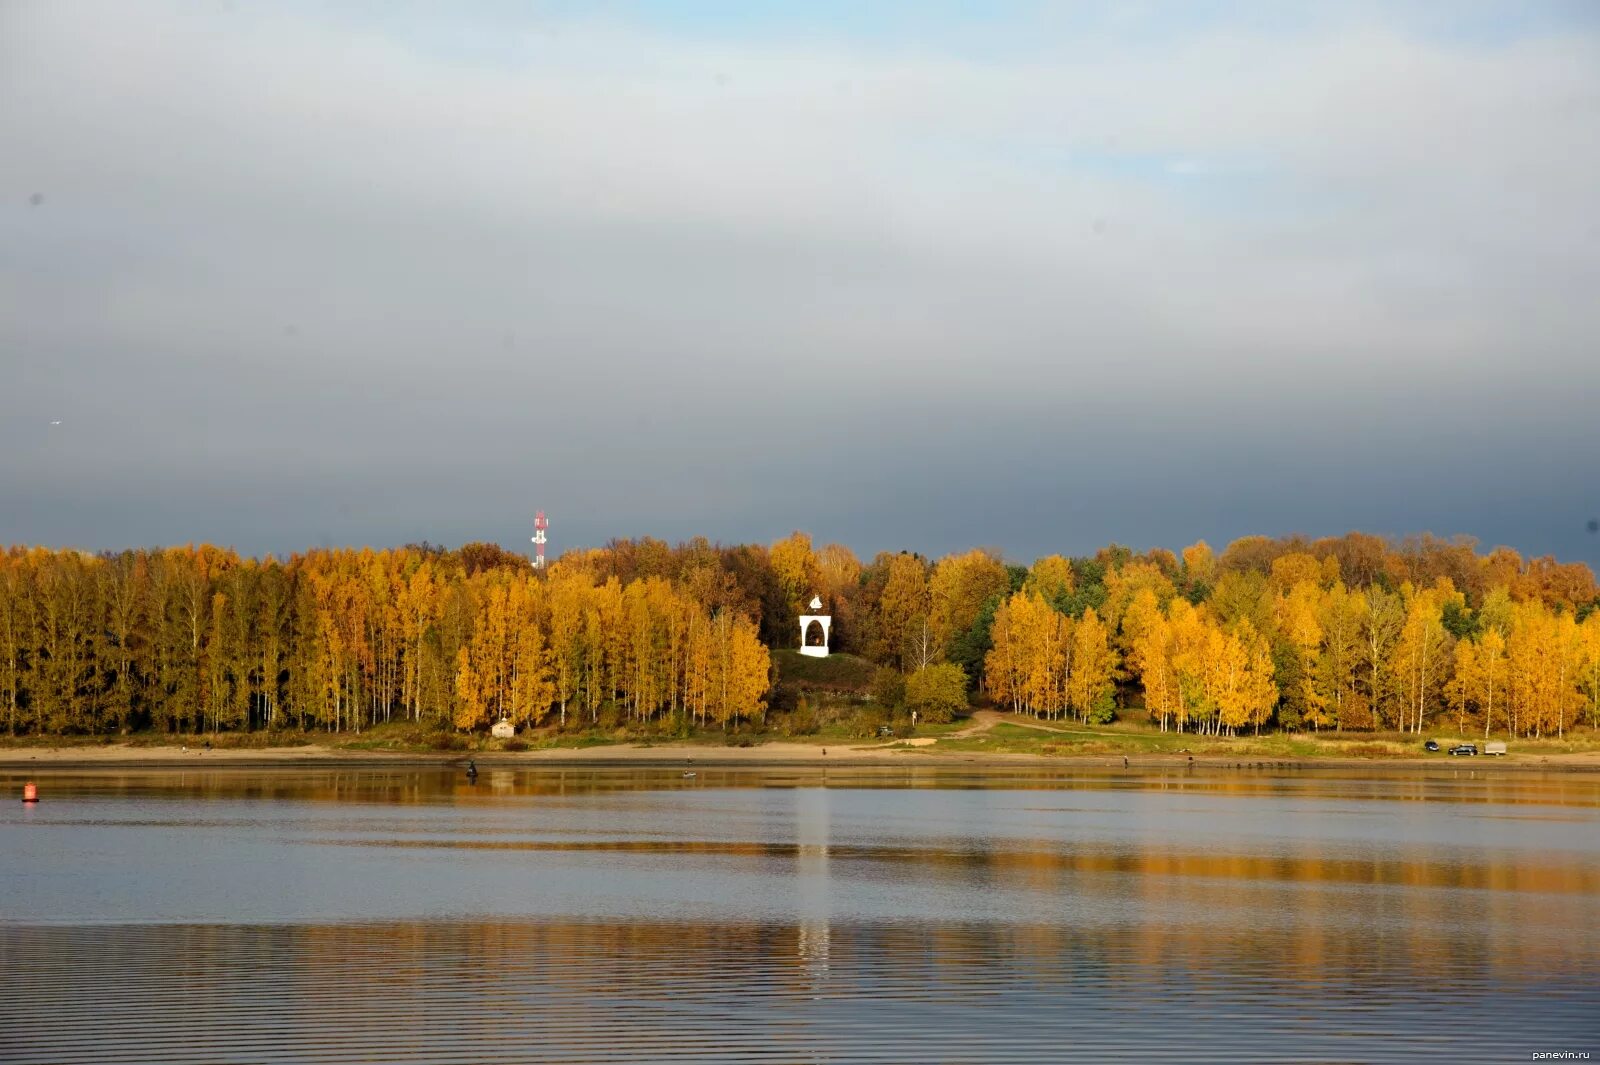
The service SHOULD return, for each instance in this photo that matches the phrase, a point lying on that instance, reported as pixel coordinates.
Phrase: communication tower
(539, 527)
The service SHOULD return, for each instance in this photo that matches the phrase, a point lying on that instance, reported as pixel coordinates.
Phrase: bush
(448, 741)
(937, 692)
(866, 722)
(803, 721)
(1104, 710)
(516, 743)
(888, 688)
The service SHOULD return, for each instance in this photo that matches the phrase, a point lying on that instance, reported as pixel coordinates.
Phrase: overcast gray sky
(904, 275)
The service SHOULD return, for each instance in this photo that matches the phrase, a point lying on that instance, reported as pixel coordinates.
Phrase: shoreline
(777, 754)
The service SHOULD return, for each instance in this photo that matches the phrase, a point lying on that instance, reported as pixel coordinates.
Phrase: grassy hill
(836, 673)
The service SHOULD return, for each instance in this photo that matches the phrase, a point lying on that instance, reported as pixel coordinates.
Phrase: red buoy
(30, 792)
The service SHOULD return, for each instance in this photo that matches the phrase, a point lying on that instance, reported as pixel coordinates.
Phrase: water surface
(787, 915)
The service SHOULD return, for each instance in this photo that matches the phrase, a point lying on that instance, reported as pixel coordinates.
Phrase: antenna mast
(539, 527)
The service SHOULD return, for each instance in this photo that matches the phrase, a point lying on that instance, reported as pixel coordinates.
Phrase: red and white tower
(539, 527)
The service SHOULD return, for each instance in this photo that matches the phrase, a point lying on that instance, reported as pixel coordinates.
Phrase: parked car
(1431, 745)
(1464, 748)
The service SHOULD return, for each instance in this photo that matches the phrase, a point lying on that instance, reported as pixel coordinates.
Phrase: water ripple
(623, 992)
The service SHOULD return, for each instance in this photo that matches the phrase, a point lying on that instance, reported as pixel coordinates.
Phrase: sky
(907, 275)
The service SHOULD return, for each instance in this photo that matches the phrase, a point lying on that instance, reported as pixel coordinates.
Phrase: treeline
(1353, 632)
(1297, 646)
(1272, 633)
(199, 639)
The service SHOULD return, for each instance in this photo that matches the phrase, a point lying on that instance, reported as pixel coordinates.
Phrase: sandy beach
(907, 752)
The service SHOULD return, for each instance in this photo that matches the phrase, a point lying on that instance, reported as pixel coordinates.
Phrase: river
(893, 915)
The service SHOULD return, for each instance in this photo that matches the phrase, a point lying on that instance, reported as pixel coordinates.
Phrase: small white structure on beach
(502, 729)
(824, 621)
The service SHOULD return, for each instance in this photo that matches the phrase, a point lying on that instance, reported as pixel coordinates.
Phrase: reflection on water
(475, 991)
(593, 915)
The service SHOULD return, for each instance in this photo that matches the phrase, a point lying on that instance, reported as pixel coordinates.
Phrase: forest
(1350, 633)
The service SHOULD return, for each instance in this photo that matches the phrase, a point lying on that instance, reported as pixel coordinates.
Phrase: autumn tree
(1381, 623)
(902, 606)
(1092, 677)
(796, 568)
(958, 590)
(937, 692)
(1053, 578)
(1422, 653)
(1199, 570)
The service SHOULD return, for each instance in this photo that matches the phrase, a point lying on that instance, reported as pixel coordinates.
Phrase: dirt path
(984, 720)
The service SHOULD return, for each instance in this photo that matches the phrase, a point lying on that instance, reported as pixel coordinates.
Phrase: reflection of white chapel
(825, 621)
